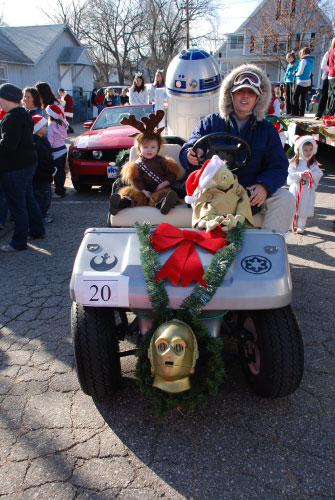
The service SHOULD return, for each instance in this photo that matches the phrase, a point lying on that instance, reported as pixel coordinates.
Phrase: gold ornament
(173, 353)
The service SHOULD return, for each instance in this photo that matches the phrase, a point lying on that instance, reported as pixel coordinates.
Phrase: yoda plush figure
(216, 197)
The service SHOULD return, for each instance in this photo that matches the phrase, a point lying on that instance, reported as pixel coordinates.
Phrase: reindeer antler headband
(147, 124)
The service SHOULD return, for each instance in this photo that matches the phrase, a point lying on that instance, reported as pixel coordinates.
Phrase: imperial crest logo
(256, 264)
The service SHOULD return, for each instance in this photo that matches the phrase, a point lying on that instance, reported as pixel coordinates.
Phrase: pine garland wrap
(209, 369)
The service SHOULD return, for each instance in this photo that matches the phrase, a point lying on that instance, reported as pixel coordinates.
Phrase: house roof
(27, 44)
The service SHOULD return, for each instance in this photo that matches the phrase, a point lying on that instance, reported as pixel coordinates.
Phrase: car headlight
(76, 153)
(97, 154)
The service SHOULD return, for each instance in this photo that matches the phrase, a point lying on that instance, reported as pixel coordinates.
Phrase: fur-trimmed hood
(226, 100)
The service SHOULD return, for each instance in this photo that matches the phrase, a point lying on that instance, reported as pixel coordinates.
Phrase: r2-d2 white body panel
(192, 83)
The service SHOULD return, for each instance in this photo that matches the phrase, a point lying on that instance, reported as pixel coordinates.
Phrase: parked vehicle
(93, 154)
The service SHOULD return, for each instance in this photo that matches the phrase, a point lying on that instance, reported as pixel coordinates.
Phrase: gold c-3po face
(173, 353)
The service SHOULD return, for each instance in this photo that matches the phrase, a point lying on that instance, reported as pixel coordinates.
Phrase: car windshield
(110, 117)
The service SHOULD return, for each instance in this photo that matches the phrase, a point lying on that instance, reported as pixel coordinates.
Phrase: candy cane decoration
(299, 193)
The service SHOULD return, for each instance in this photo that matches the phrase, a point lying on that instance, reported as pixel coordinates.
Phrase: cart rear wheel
(95, 343)
(273, 362)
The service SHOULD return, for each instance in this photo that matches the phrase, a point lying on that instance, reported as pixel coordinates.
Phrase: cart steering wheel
(228, 152)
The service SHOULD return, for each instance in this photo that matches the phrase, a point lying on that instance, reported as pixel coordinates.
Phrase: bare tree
(71, 12)
(163, 31)
(283, 26)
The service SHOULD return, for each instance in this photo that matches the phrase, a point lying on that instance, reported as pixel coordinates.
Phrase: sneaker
(56, 195)
(169, 202)
(48, 218)
(300, 230)
(8, 248)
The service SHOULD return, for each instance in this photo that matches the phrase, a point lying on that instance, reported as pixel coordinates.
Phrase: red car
(92, 155)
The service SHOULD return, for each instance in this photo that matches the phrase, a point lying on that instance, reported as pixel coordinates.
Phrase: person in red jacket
(67, 102)
(331, 80)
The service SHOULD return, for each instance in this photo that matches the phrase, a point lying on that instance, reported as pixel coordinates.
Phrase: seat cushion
(179, 216)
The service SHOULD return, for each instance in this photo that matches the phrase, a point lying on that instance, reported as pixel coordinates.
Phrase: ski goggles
(247, 79)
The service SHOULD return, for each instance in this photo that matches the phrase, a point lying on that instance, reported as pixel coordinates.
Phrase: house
(50, 54)
(273, 29)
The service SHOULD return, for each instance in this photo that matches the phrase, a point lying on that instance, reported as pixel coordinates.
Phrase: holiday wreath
(209, 369)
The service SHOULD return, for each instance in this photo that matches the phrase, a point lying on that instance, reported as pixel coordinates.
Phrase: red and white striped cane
(299, 193)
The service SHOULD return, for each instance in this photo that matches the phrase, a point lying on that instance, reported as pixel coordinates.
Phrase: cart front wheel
(273, 361)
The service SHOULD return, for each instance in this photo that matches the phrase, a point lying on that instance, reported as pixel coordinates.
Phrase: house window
(266, 44)
(3, 75)
(312, 41)
(252, 43)
(220, 55)
(236, 41)
(297, 41)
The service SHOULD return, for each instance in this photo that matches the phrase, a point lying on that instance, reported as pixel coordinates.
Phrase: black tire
(80, 188)
(278, 350)
(95, 347)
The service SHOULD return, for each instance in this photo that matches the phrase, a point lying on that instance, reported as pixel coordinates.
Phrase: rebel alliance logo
(103, 265)
(256, 264)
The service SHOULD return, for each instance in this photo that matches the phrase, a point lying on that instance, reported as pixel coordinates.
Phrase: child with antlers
(148, 179)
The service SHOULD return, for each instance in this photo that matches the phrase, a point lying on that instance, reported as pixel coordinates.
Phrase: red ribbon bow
(185, 262)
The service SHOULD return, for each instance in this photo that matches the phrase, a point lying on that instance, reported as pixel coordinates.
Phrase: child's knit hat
(39, 122)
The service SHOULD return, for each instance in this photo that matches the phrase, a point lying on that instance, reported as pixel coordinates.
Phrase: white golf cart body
(108, 278)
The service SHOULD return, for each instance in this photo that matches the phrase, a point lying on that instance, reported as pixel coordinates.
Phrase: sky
(28, 13)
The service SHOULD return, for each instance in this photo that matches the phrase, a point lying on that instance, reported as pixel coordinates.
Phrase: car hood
(116, 137)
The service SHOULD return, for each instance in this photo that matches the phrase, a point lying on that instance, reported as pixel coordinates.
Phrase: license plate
(111, 171)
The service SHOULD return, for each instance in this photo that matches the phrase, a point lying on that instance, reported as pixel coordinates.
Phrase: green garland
(209, 369)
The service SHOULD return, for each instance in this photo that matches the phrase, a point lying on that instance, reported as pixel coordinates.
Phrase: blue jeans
(24, 209)
(3, 207)
(42, 194)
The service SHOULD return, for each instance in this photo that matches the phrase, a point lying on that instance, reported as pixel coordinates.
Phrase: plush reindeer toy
(148, 179)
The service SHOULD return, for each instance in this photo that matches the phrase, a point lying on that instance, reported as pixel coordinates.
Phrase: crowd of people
(138, 93)
(33, 128)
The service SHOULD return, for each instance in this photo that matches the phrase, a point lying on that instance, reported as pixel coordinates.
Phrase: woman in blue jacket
(292, 66)
(303, 80)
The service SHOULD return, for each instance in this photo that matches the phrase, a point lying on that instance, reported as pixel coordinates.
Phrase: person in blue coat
(244, 99)
(303, 81)
(292, 66)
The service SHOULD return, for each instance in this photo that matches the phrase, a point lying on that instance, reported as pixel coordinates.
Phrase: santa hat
(56, 112)
(198, 179)
(300, 140)
(39, 122)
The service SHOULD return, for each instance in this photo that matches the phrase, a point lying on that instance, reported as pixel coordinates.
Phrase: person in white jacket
(304, 175)
(138, 93)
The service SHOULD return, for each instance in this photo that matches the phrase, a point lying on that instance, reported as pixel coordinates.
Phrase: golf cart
(251, 307)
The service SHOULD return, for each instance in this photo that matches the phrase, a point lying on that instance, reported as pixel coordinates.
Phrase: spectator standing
(331, 80)
(17, 168)
(157, 93)
(324, 94)
(274, 108)
(124, 98)
(45, 167)
(32, 102)
(112, 98)
(66, 101)
(46, 94)
(94, 106)
(292, 66)
(304, 81)
(138, 93)
(99, 100)
(57, 131)
(303, 178)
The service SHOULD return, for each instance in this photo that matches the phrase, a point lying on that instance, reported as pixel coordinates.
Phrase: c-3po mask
(173, 353)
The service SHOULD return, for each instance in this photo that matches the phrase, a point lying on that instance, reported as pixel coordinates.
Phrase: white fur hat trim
(301, 140)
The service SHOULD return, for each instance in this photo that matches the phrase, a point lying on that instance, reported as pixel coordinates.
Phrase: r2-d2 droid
(192, 83)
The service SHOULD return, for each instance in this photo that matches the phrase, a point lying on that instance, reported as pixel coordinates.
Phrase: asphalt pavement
(57, 443)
